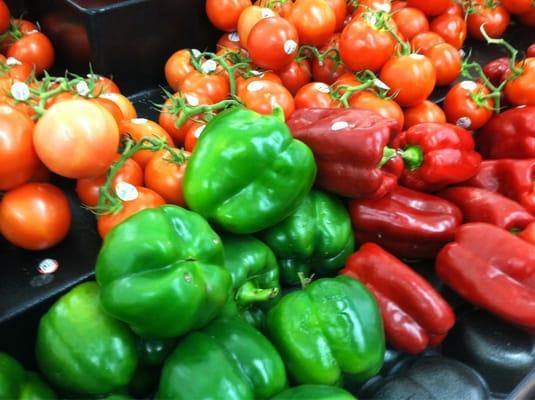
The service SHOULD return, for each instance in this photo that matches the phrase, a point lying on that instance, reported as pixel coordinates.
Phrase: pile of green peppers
(189, 304)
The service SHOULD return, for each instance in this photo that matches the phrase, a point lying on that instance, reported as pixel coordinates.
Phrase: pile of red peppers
(435, 191)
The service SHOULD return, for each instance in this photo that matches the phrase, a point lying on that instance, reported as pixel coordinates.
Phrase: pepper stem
(303, 280)
(249, 293)
(388, 154)
(413, 157)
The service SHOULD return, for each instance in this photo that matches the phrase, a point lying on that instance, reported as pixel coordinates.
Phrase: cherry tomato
(77, 139)
(146, 198)
(224, 14)
(126, 106)
(213, 86)
(360, 37)
(193, 134)
(410, 22)
(5, 16)
(431, 8)
(315, 95)
(16, 147)
(242, 83)
(264, 96)
(452, 28)
(248, 19)
(340, 10)
(24, 26)
(517, 6)
(462, 110)
(332, 67)
(112, 108)
(229, 41)
(528, 18)
(521, 90)
(35, 216)
(177, 67)
(427, 111)
(412, 77)
(496, 20)
(314, 20)
(424, 41)
(455, 9)
(35, 49)
(447, 62)
(273, 43)
(386, 107)
(295, 75)
(166, 178)
(88, 189)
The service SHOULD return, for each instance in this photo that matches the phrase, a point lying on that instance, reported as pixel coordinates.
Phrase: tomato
(295, 75)
(213, 86)
(35, 49)
(496, 20)
(447, 62)
(410, 22)
(528, 18)
(427, 111)
(373, 5)
(455, 9)
(17, 70)
(248, 19)
(24, 26)
(360, 37)
(412, 77)
(58, 98)
(35, 216)
(146, 198)
(263, 96)
(431, 8)
(331, 68)
(340, 10)
(18, 156)
(192, 135)
(424, 41)
(531, 51)
(88, 189)
(177, 67)
(397, 5)
(103, 85)
(127, 108)
(314, 20)
(521, 90)
(452, 28)
(281, 8)
(5, 16)
(109, 105)
(139, 128)
(166, 178)
(315, 95)
(517, 6)
(224, 14)
(462, 110)
(386, 107)
(228, 41)
(242, 83)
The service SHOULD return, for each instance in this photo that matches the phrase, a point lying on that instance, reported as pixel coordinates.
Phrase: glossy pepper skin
(482, 205)
(414, 315)
(511, 178)
(227, 360)
(247, 172)
(349, 146)
(329, 330)
(16, 383)
(510, 134)
(161, 271)
(81, 349)
(316, 238)
(407, 223)
(314, 392)
(436, 155)
(493, 269)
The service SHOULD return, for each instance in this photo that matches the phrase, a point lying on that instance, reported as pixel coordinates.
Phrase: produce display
(332, 197)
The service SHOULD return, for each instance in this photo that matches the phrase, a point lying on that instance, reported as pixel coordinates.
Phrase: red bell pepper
(497, 70)
(436, 155)
(350, 147)
(510, 134)
(414, 314)
(492, 268)
(511, 178)
(407, 223)
(482, 205)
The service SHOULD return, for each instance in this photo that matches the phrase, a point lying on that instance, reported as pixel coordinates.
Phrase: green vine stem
(331, 53)
(512, 51)
(368, 79)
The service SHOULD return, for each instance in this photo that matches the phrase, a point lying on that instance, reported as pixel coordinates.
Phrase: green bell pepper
(314, 392)
(161, 271)
(228, 360)
(247, 171)
(331, 328)
(82, 350)
(153, 352)
(16, 383)
(317, 238)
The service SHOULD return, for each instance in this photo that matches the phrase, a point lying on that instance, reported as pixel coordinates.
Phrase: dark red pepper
(512, 178)
(492, 268)
(407, 223)
(436, 155)
(350, 147)
(497, 70)
(510, 134)
(415, 316)
(482, 205)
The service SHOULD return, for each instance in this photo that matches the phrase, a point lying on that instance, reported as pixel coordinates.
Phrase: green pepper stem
(248, 293)
(388, 154)
(413, 157)
(303, 280)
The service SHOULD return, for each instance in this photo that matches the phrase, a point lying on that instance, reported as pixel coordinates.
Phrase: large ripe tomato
(146, 198)
(5, 15)
(340, 10)
(521, 90)
(16, 147)
(410, 22)
(77, 139)
(360, 37)
(315, 95)
(264, 96)
(242, 83)
(447, 62)
(192, 135)
(224, 14)
(35, 49)
(248, 19)
(296, 75)
(495, 19)
(35, 216)
(517, 6)
(166, 177)
(314, 20)
(213, 86)
(386, 107)
(424, 41)
(177, 67)
(273, 43)
(431, 8)
(103, 85)
(412, 77)
(462, 110)
(452, 28)
(426, 111)
(127, 108)
(228, 41)
(88, 189)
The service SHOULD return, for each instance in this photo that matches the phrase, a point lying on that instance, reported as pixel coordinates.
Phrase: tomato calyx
(13, 32)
